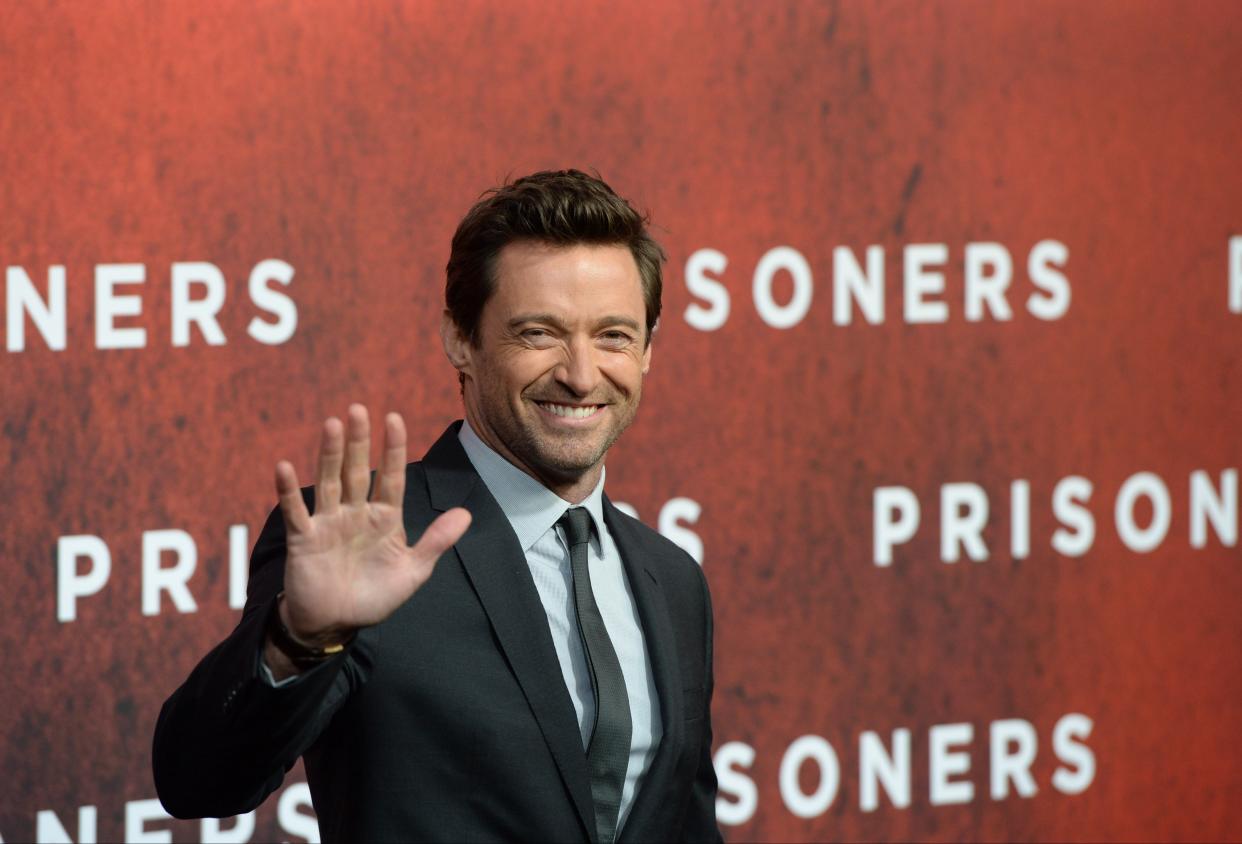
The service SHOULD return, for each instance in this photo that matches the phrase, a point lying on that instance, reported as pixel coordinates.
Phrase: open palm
(348, 566)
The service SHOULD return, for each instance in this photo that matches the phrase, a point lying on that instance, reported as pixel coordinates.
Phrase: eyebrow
(550, 319)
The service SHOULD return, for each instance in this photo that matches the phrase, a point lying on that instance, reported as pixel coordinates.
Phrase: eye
(537, 337)
(616, 338)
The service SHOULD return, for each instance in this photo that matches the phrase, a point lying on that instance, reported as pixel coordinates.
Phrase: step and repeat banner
(945, 398)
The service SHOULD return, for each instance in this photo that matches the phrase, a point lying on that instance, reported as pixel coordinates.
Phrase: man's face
(558, 372)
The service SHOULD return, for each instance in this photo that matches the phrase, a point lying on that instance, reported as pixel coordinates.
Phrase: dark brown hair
(557, 207)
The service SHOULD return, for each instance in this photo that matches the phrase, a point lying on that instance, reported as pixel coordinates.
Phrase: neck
(576, 490)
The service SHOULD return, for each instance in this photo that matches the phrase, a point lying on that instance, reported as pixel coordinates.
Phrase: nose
(579, 372)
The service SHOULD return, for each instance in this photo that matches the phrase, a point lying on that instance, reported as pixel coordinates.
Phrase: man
(537, 665)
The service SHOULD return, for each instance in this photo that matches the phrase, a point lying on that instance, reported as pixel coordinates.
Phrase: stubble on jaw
(553, 459)
(560, 452)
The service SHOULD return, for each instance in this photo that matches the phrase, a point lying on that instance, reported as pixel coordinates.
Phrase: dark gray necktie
(608, 753)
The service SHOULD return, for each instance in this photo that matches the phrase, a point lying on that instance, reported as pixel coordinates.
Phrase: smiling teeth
(570, 412)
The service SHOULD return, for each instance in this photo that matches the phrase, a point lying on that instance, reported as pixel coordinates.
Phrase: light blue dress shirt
(533, 510)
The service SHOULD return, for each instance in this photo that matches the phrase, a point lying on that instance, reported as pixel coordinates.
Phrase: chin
(567, 459)
(570, 464)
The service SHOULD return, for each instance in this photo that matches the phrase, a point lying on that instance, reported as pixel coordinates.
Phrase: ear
(647, 358)
(456, 345)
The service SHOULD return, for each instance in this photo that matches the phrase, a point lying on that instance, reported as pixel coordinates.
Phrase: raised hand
(348, 566)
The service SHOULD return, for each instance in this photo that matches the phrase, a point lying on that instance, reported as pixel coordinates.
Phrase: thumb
(442, 534)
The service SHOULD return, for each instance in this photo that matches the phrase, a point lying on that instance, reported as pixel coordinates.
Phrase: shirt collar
(531, 508)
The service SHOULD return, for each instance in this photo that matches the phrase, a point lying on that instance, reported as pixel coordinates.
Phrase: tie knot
(577, 526)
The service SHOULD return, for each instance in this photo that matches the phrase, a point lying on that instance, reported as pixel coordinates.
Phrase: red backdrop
(348, 139)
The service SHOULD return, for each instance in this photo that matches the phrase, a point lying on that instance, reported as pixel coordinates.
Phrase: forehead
(578, 281)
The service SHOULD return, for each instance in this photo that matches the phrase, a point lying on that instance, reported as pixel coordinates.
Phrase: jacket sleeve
(700, 816)
(225, 739)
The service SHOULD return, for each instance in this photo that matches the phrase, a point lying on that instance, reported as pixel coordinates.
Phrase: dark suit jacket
(450, 720)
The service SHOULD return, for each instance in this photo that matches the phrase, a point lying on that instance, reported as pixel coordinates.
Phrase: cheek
(518, 370)
(625, 371)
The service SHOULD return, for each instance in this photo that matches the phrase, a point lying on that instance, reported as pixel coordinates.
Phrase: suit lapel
(653, 612)
(497, 568)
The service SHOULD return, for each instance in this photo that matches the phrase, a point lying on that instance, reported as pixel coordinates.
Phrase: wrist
(303, 653)
(276, 663)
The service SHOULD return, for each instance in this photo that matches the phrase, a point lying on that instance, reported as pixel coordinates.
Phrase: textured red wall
(348, 139)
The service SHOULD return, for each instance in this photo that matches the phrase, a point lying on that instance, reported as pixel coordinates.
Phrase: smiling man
(554, 372)
(477, 646)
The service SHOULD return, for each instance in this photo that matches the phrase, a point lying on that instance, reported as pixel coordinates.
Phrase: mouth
(570, 411)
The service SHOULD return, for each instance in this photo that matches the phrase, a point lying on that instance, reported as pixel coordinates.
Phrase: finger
(292, 506)
(442, 534)
(356, 475)
(331, 453)
(392, 469)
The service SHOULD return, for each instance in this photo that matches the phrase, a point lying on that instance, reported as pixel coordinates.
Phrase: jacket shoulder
(666, 557)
